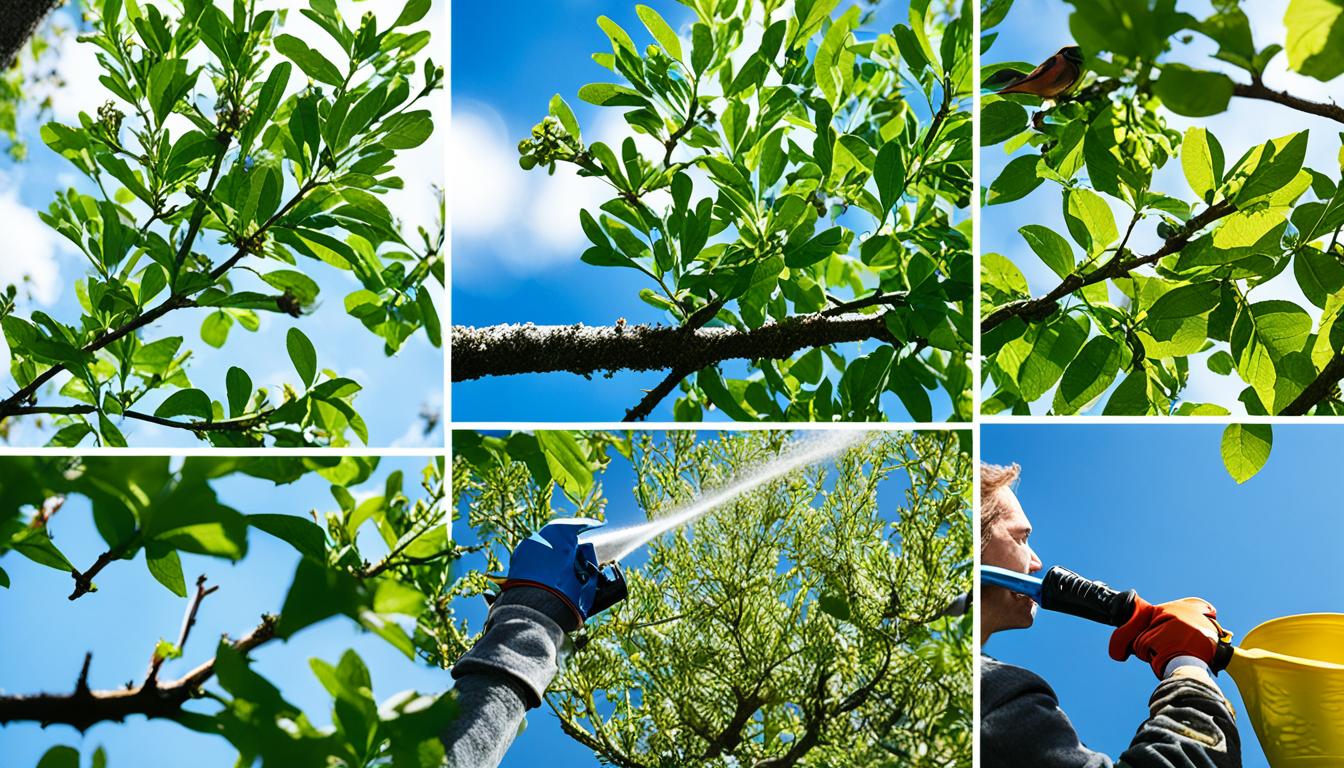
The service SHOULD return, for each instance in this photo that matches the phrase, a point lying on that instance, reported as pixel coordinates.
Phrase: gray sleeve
(505, 674)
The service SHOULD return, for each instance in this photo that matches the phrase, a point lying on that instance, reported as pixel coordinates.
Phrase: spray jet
(1290, 670)
(554, 559)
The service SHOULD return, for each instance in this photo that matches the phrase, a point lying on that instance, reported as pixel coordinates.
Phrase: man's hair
(992, 478)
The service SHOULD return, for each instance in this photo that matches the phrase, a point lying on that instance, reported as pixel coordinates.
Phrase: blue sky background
(542, 742)
(45, 635)
(1151, 508)
(1033, 31)
(516, 234)
(395, 389)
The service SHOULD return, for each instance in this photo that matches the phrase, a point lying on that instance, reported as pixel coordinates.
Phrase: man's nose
(1035, 564)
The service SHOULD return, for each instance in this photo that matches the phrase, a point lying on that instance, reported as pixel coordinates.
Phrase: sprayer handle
(1064, 591)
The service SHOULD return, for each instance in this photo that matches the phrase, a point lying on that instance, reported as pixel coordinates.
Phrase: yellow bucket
(1290, 672)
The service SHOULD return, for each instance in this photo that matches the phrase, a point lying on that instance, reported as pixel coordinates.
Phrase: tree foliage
(1118, 332)
(793, 171)
(384, 562)
(798, 624)
(219, 190)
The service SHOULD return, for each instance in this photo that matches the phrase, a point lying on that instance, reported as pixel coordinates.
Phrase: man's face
(1008, 548)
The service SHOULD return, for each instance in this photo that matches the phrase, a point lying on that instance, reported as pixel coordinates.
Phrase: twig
(240, 424)
(188, 621)
(655, 396)
(1043, 306)
(84, 580)
(876, 298)
(1258, 90)
(676, 135)
(84, 708)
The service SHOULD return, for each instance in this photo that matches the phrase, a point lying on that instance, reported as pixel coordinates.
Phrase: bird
(1053, 78)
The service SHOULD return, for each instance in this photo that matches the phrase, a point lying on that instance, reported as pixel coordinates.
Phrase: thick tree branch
(18, 23)
(1319, 389)
(504, 350)
(84, 708)
(1042, 307)
(1258, 90)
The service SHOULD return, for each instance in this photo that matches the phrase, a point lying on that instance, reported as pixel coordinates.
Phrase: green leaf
(1315, 42)
(1053, 249)
(702, 47)
(302, 354)
(1202, 161)
(889, 173)
(1088, 376)
(1000, 121)
(317, 593)
(414, 11)
(1177, 324)
(1245, 449)
(560, 109)
(1193, 92)
(1264, 335)
(302, 534)
(185, 402)
(567, 462)
(166, 567)
(215, 328)
(59, 757)
(297, 284)
(112, 437)
(1319, 274)
(1221, 363)
(314, 64)
(1056, 346)
(660, 30)
(1017, 180)
(239, 386)
(819, 247)
(611, 95)
(1089, 220)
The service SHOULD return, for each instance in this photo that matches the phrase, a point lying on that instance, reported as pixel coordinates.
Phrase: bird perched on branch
(1056, 76)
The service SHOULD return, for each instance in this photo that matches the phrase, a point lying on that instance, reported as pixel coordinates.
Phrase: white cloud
(484, 176)
(78, 69)
(30, 261)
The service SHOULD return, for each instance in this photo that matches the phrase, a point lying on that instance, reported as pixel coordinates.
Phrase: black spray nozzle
(611, 589)
(1064, 591)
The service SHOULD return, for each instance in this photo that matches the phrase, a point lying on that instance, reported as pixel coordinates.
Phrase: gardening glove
(555, 560)
(1159, 633)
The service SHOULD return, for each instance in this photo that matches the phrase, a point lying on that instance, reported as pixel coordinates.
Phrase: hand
(1159, 633)
(555, 560)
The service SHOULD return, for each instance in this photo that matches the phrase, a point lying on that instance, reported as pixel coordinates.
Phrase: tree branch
(84, 580)
(84, 708)
(675, 136)
(240, 424)
(175, 301)
(655, 396)
(504, 350)
(1042, 307)
(1258, 90)
(1319, 389)
(188, 621)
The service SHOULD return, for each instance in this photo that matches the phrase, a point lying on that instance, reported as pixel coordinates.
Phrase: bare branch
(188, 621)
(84, 708)
(655, 396)
(1258, 90)
(84, 579)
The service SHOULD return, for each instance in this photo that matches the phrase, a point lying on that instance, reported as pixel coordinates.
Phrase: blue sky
(1151, 508)
(542, 741)
(395, 389)
(1034, 30)
(516, 234)
(45, 635)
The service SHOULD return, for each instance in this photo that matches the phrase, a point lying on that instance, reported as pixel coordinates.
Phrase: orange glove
(1159, 633)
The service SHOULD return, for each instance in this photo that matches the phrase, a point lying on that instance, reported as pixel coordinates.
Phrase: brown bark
(19, 21)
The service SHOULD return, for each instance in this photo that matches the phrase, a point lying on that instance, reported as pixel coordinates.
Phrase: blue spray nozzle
(1013, 581)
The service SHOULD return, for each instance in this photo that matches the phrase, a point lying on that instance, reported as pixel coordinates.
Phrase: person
(1190, 723)
(554, 584)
